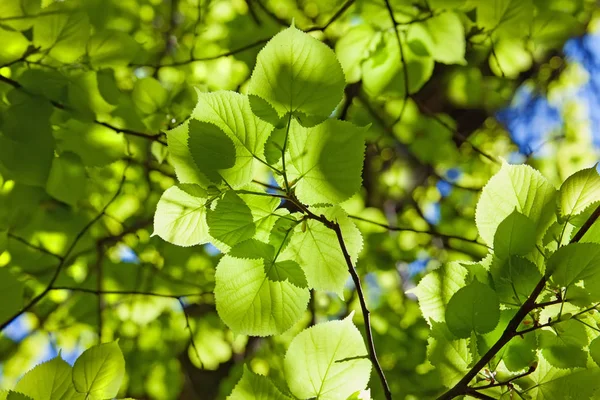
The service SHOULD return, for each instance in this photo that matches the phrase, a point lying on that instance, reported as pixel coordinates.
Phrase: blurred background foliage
(88, 88)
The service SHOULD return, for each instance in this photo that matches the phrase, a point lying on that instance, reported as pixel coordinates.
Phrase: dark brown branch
(462, 386)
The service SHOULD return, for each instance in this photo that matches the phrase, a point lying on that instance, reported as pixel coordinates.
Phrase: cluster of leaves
(527, 312)
(267, 168)
(96, 375)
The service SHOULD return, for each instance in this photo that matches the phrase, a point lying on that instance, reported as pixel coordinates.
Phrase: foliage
(245, 193)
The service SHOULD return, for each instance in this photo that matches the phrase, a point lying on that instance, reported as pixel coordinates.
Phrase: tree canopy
(298, 199)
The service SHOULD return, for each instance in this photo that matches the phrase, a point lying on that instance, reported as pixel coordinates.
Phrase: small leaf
(211, 149)
(99, 371)
(575, 262)
(515, 236)
(578, 192)
(231, 220)
(255, 387)
(149, 95)
(252, 249)
(286, 270)
(474, 308)
(313, 363)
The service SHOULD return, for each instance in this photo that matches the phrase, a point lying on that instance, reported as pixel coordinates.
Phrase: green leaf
(594, 349)
(505, 17)
(231, 220)
(251, 304)
(563, 345)
(67, 179)
(517, 187)
(14, 46)
(352, 49)
(211, 149)
(48, 381)
(520, 353)
(383, 73)
(298, 74)
(435, 290)
(316, 248)
(149, 95)
(252, 249)
(577, 262)
(451, 357)
(447, 38)
(17, 123)
(96, 145)
(474, 308)
(99, 371)
(255, 387)
(3, 240)
(63, 32)
(181, 158)
(514, 279)
(515, 236)
(321, 361)
(180, 217)
(111, 48)
(12, 395)
(286, 270)
(578, 192)
(326, 161)
(11, 295)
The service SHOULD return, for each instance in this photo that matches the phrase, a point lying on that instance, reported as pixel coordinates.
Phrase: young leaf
(253, 386)
(289, 270)
(327, 161)
(435, 290)
(322, 362)
(515, 236)
(149, 95)
(563, 345)
(447, 38)
(211, 149)
(578, 192)
(180, 217)
(318, 251)
(48, 381)
(99, 371)
(515, 186)
(575, 262)
(451, 357)
(181, 158)
(231, 220)
(474, 308)
(298, 74)
(514, 279)
(251, 304)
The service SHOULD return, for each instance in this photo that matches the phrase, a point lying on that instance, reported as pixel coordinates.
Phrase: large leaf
(250, 303)
(563, 345)
(256, 387)
(48, 381)
(99, 371)
(322, 362)
(180, 216)
(578, 192)
(514, 279)
(327, 161)
(297, 73)
(517, 187)
(474, 308)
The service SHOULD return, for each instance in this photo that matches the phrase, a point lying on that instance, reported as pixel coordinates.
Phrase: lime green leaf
(282, 232)
(252, 249)
(63, 32)
(474, 308)
(322, 362)
(575, 262)
(447, 38)
(48, 381)
(316, 248)
(435, 290)
(594, 349)
(383, 73)
(274, 146)
(211, 149)
(452, 357)
(578, 192)
(99, 371)
(286, 270)
(505, 17)
(149, 95)
(11, 295)
(180, 217)
(515, 236)
(231, 221)
(515, 186)
(514, 279)
(255, 387)
(251, 304)
(446, 4)
(67, 178)
(352, 49)
(181, 158)
(327, 161)
(12, 395)
(111, 48)
(14, 46)
(563, 345)
(297, 73)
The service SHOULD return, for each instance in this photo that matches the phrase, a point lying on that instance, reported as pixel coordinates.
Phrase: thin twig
(189, 327)
(125, 292)
(35, 247)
